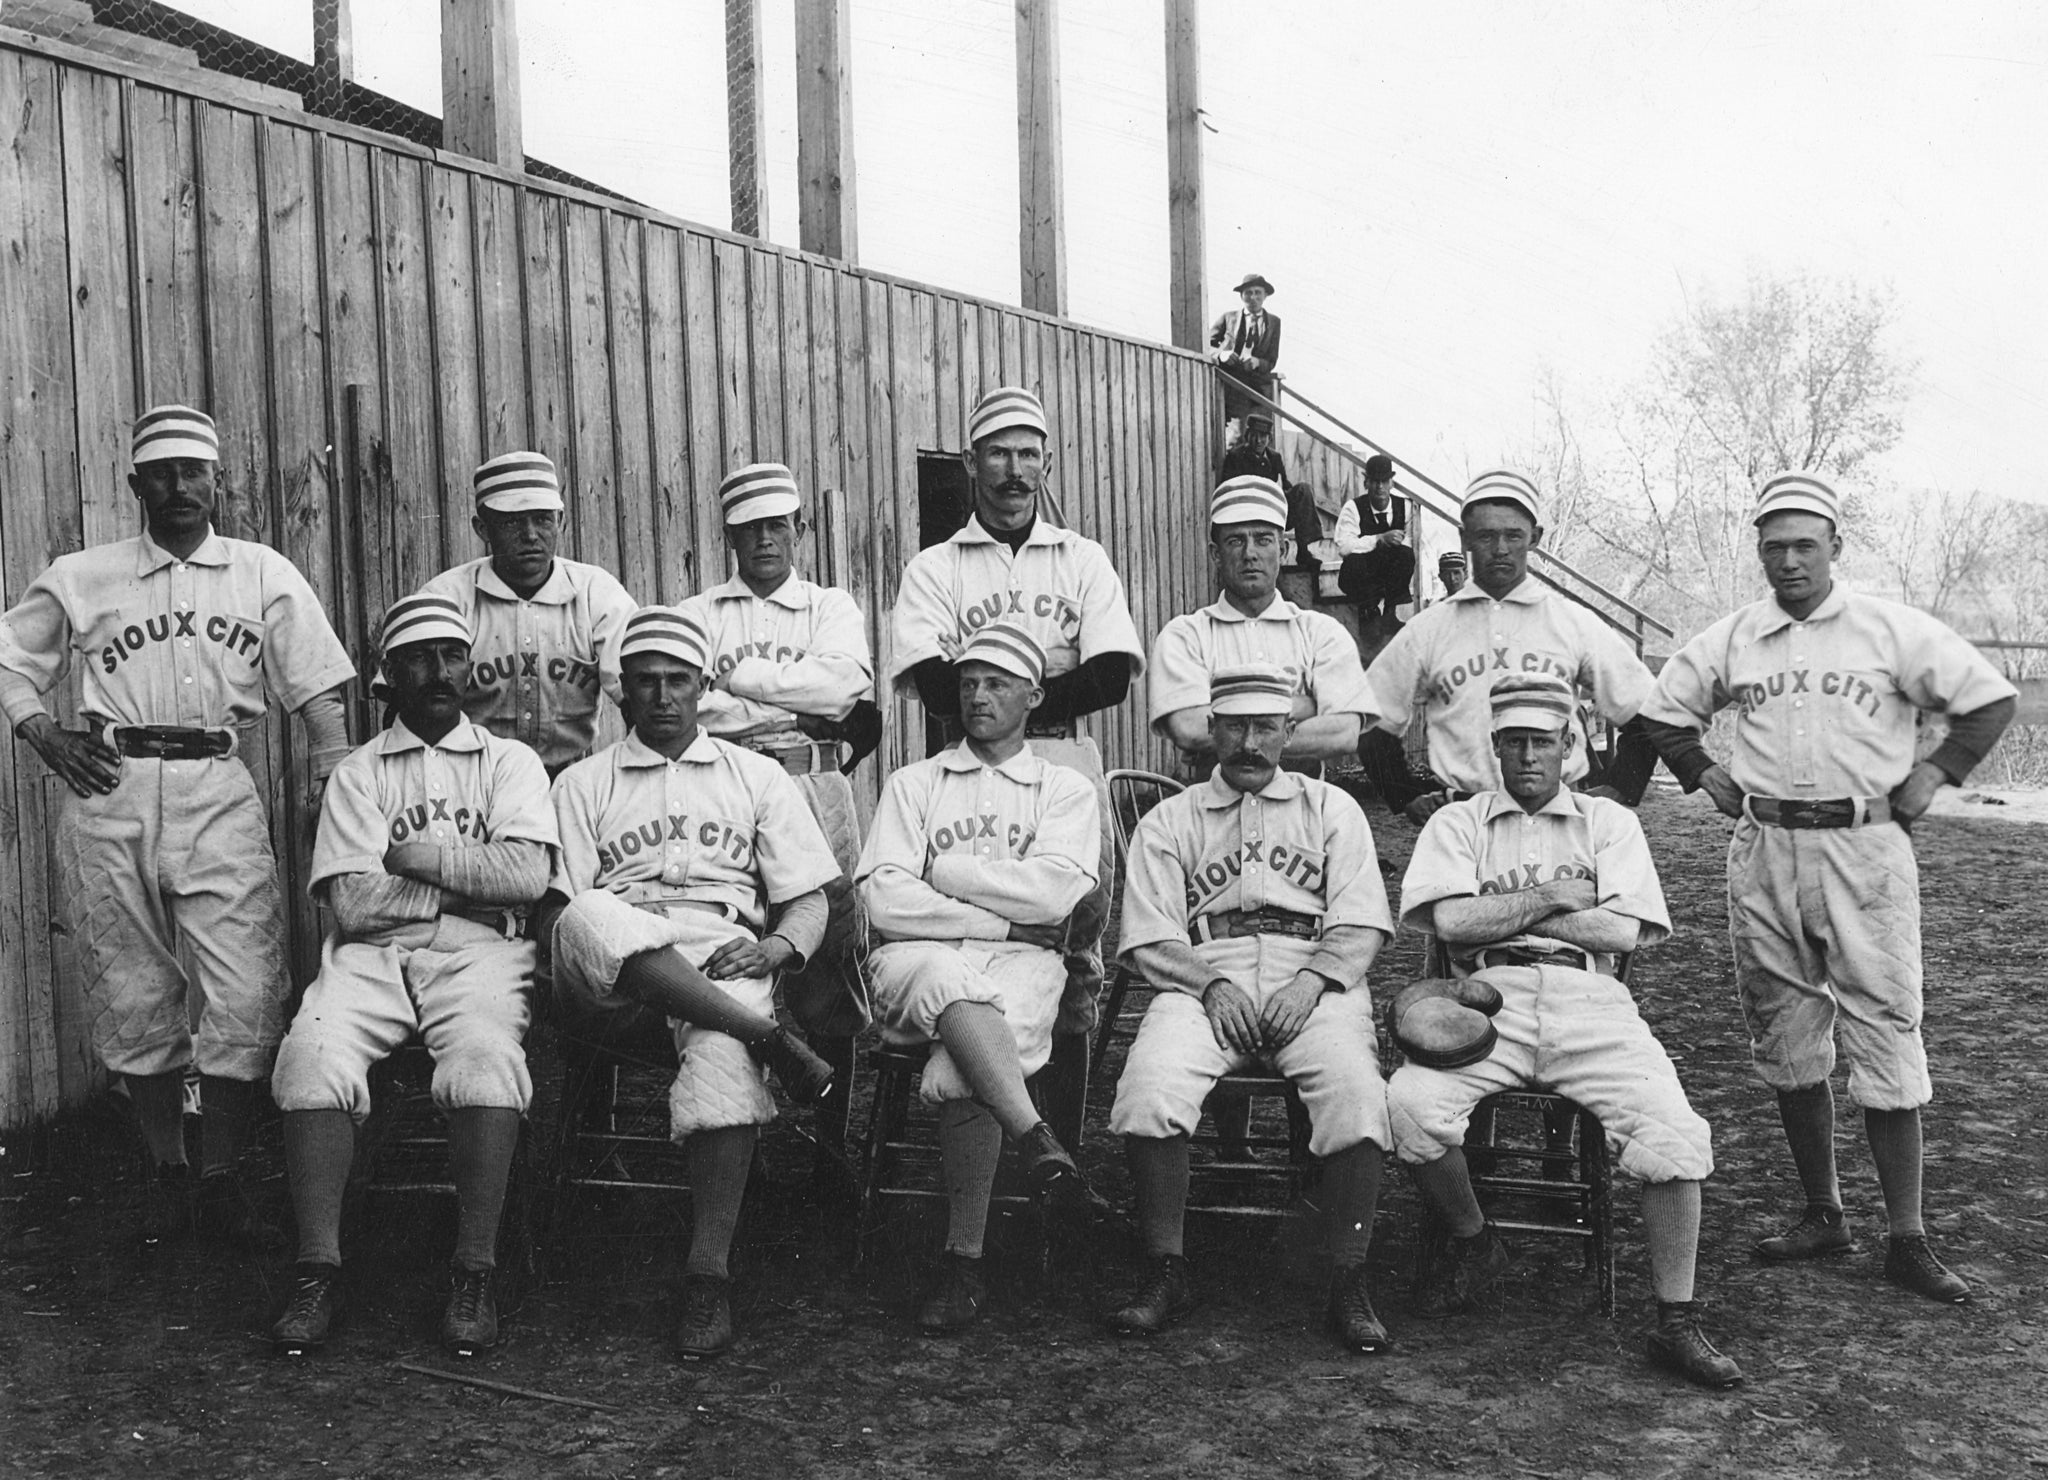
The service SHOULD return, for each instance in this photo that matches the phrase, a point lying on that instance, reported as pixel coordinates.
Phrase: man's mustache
(1015, 485)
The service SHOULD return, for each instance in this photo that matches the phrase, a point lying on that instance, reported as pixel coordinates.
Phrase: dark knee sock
(481, 1143)
(319, 1145)
(1159, 1175)
(1895, 1147)
(227, 1106)
(159, 1101)
(719, 1161)
(1351, 1181)
(1808, 1116)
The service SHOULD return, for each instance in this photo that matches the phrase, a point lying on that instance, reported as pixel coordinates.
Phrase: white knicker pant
(917, 980)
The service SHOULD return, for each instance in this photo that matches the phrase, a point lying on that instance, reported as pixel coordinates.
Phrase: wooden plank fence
(367, 319)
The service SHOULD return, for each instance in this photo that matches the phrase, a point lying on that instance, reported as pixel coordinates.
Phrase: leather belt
(173, 742)
(1048, 732)
(1803, 814)
(1567, 956)
(803, 757)
(1232, 924)
(662, 905)
(508, 922)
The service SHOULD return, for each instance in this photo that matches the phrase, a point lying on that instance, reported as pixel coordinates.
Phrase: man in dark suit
(1372, 536)
(1246, 343)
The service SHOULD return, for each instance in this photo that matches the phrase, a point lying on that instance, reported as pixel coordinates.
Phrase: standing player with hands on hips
(181, 638)
(1823, 887)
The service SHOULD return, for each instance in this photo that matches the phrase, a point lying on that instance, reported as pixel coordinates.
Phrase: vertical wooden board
(828, 445)
(103, 351)
(946, 410)
(551, 429)
(38, 453)
(1011, 338)
(593, 496)
(764, 342)
(856, 470)
(236, 316)
(501, 315)
(299, 440)
(913, 363)
(632, 456)
(893, 538)
(991, 352)
(348, 243)
(164, 163)
(668, 419)
(451, 254)
(735, 360)
(706, 559)
(411, 438)
(799, 397)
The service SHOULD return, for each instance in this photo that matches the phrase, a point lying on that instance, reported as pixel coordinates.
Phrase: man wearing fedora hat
(1245, 343)
(542, 623)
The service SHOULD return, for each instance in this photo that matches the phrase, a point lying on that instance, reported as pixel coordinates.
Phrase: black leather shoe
(1167, 1294)
(956, 1297)
(224, 1212)
(311, 1311)
(1350, 1311)
(166, 1202)
(1462, 1270)
(1678, 1345)
(1818, 1233)
(804, 1077)
(471, 1322)
(705, 1330)
(1053, 1176)
(1910, 1264)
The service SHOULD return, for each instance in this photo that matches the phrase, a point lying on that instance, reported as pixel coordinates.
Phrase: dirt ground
(119, 1362)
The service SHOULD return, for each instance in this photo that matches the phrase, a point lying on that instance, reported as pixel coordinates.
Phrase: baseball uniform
(708, 841)
(462, 980)
(1826, 921)
(959, 850)
(178, 856)
(1566, 1023)
(539, 665)
(1214, 868)
(1314, 649)
(1443, 661)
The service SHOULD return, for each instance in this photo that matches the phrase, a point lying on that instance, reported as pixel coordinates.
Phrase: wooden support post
(746, 118)
(480, 82)
(334, 66)
(824, 130)
(1187, 243)
(1041, 225)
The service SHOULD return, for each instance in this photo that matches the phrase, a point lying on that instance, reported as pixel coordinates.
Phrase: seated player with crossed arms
(1535, 890)
(1254, 901)
(676, 849)
(431, 835)
(974, 862)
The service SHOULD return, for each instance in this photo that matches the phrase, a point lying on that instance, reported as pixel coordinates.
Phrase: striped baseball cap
(1797, 493)
(423, 617)
(666, 630)
(1003, 408)
(1248, 500)
(514, 482)
(758, 491)
(1503, 485)
(1009, 647)
(165, 432)
(1532, 701)
(1451, 559)
(1251, 688)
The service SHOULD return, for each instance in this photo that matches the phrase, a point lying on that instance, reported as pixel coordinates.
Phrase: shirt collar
(1022, 767)
(554, 591)
(466, 736)
(1217, 794)
(1565, 804)
(1528, 593)
(1280, 609)
(636, 754)
(1042, 533)
(1777, 619)
(152, 557)
(794, 592)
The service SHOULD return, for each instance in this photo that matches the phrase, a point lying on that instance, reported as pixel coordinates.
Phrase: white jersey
(540, 664)
(719, 825)
(1453, 651)
(960, 849)
(1297, 844)
(1827, 705)
(200, 642)
(800, 650)
(1488, 845)
(470, 789)
(1314, 648)
(1059, 585)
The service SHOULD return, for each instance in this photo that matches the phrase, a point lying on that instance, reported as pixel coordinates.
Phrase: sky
(1452, 200)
